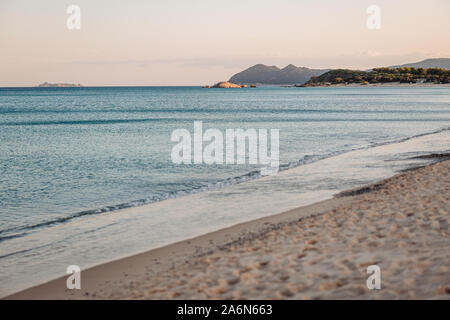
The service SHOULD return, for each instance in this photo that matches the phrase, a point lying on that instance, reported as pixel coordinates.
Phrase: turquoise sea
(86, 174)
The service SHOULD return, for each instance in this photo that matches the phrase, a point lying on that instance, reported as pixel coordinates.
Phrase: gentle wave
(203, 110)
(21, 231)
(82, 122)
(271, 120)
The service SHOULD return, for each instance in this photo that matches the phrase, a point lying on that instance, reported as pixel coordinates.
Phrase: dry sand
(315, 252)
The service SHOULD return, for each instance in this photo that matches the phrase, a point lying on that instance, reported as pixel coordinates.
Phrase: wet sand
(319, 251)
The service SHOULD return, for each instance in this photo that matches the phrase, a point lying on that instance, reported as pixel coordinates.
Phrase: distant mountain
(262, 74)
(442, 63)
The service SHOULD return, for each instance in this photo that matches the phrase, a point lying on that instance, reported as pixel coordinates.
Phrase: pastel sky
(194, 42)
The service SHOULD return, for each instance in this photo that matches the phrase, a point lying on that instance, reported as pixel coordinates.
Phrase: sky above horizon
(196, 42)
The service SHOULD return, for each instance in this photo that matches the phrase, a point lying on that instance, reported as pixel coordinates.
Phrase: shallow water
(71, 158)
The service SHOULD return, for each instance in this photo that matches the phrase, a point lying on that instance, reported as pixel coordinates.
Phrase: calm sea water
(84, 171)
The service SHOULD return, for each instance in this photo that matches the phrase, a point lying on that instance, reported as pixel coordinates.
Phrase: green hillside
(382, 75)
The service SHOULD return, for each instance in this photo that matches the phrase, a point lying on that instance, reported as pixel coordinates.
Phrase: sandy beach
(319, 251)
(173, 151)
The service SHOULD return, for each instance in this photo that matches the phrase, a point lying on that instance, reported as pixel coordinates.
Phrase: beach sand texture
(315, 252)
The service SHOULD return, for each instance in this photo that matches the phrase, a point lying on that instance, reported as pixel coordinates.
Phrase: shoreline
(383, 84)
(99, 275)
(258, 85)
(124, 278)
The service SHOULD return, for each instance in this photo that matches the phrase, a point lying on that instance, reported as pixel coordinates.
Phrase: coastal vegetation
(429, 70)
(381, 75)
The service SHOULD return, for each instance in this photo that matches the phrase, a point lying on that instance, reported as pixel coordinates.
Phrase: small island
(59, 85)
(227, 85)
